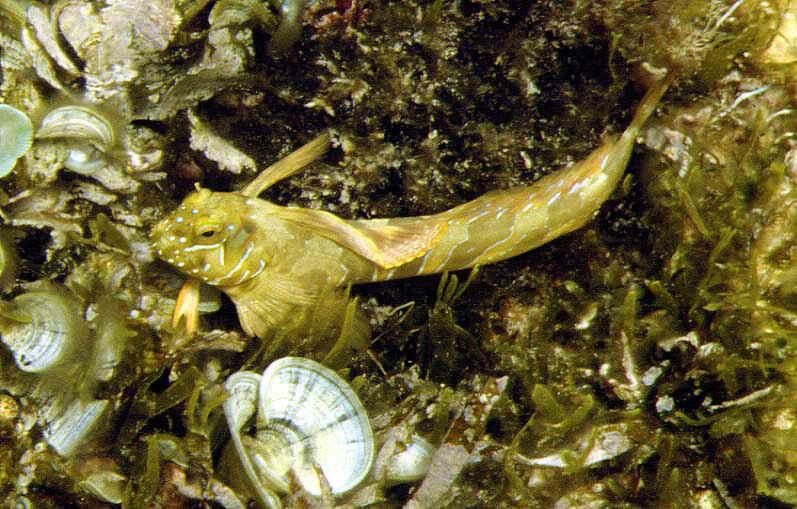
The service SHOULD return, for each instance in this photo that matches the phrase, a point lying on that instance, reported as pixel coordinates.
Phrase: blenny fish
(274, 261)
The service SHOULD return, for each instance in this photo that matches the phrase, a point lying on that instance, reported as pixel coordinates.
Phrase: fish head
(206, 236)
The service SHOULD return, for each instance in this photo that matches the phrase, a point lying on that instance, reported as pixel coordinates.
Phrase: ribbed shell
(48, 330)
(241, 405)
(90, 136)
(239, 409)
(79, 123)
(16, 136)
(75, 426)
(308, 415)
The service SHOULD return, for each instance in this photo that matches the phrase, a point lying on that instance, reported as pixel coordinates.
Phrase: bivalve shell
(43, 328)
(90, 135)
(309, 417)
(16, 136)
(308, 421)
(239, 408)
(241, 405)
(76, 122)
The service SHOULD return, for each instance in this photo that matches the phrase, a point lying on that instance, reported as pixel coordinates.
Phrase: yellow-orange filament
(187, 306)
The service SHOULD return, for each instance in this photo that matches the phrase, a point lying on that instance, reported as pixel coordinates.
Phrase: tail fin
(648, 104)
(619, 152)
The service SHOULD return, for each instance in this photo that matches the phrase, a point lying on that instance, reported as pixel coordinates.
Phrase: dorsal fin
(289, 165)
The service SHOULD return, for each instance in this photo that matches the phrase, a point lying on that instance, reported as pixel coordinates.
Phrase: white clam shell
(89, 136)
(49, 330)
(77, 123)
(16, 136)
(309, 417)
(75, 426)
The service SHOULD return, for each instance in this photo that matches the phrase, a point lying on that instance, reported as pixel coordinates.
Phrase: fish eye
(208, 231)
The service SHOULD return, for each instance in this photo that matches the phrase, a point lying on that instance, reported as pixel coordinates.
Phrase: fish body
(276, 261)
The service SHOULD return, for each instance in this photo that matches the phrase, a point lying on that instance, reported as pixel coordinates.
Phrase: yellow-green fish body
(276, 261)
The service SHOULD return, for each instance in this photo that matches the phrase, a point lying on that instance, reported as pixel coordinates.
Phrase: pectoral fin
(386, 242)
(269, 303)
(256, 317)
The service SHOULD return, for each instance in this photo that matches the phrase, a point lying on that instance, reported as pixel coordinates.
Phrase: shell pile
(46, 331)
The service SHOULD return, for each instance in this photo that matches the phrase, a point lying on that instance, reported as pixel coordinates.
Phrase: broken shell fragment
(43, 328)
(47, 36)
(107, 485)
(76, 426)
(16, 136)
(602, 444)
(145, 149)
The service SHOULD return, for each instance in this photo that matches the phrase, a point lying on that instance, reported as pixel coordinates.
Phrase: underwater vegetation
(647, 357)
